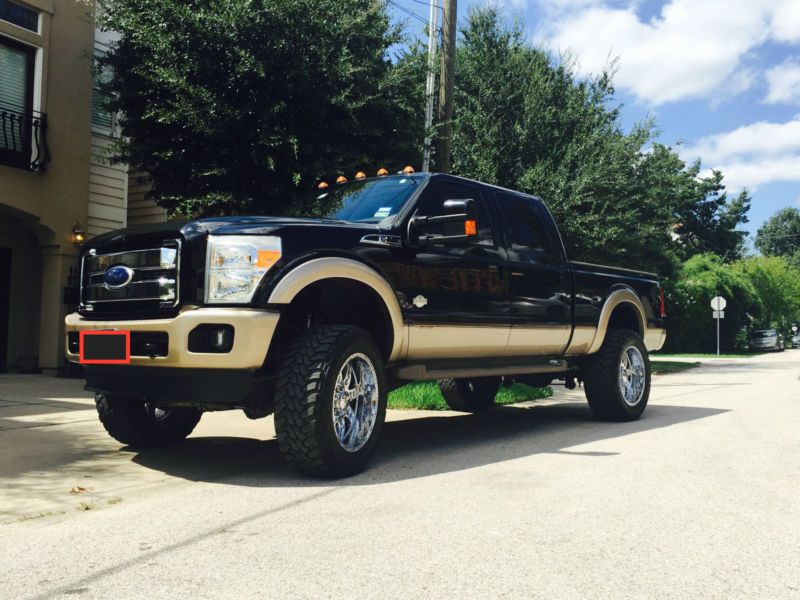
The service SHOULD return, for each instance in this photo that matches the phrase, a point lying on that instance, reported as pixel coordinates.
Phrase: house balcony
(23, 139)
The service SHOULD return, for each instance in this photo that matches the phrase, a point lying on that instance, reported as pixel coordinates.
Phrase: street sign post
(718, 304)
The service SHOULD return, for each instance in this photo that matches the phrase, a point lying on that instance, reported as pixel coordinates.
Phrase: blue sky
(722, 77)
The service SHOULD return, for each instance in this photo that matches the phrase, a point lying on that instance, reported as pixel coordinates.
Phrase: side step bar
(480, 368)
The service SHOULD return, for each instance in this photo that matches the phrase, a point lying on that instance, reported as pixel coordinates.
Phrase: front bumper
(764, 346)
(194, 387)
(253, 331)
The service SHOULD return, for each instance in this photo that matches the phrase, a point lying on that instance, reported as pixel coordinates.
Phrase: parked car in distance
(796, 341)
(766, 339)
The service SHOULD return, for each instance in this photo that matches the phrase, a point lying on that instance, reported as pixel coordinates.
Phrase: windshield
(369, 201)
(766, 333)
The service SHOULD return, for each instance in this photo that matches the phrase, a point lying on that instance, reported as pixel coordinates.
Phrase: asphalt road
(699, 499)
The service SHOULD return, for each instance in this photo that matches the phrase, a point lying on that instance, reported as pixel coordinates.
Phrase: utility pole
(449, 19)
(433, 23)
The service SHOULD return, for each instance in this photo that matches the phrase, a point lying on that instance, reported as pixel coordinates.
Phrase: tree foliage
(777, 283)
(524, 120)
(780, 235)
(698, 280)
(240, 105)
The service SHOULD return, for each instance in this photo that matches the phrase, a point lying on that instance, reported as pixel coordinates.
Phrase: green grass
(426, 396)
(699, 355)
(663, 367)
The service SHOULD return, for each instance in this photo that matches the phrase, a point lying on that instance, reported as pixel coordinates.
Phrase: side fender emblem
(420, 301)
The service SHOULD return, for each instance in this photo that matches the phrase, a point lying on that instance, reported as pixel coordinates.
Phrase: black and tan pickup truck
(411, 277)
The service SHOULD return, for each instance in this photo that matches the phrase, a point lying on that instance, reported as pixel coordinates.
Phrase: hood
(245, 225)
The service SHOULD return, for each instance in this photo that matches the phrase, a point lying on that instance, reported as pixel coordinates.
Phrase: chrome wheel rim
(155, 413)
(632, 376)
(355, 402)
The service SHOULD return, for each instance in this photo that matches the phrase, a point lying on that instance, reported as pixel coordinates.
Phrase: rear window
(766, 333)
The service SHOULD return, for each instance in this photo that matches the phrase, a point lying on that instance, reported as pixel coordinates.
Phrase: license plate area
(105, 347)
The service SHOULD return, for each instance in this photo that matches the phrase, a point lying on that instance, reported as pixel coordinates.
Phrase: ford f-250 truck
(412, 277)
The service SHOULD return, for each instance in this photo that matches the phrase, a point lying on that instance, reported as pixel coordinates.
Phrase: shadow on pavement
(414, 448)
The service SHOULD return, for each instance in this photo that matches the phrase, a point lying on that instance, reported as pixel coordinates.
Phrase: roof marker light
(360, 175)
(382, 172)
(408, 170)
(322, 185)
(341, 179)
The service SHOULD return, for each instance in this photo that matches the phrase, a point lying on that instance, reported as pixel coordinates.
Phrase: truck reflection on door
(5, 297)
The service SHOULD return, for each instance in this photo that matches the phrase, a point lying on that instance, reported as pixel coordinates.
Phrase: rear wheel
(143, 424)
(617, 378)
(470, 395)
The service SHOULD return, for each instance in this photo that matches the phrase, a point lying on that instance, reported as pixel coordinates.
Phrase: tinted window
(526, 235)
(433, 202)
(767, 333)
(369, 201)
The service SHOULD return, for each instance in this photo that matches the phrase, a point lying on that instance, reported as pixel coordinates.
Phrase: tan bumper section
(654, 338)
(253, 330)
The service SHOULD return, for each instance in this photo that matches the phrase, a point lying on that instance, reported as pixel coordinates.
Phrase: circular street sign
(719, 303)
(794, 328)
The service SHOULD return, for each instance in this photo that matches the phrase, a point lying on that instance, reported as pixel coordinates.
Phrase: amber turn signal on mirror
(470, 227)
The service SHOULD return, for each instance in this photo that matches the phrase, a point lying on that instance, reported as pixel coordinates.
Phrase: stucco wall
(49, 203)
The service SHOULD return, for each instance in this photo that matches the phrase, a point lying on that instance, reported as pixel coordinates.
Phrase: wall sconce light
(77, 235)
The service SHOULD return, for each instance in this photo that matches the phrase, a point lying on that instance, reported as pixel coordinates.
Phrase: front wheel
(617, 377)
(143, 424)
(330, 401)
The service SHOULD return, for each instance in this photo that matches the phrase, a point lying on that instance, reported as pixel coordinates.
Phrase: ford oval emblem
(117, 276)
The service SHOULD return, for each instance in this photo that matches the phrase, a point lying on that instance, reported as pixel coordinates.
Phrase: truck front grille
(152, 283)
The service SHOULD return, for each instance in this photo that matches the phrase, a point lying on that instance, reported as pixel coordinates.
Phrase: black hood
(245, 225)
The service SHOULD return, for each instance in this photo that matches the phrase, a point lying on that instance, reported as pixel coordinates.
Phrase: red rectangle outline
(125, 361)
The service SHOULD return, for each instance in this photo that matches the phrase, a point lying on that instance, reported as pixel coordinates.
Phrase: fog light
(211, 339)
(221, 338)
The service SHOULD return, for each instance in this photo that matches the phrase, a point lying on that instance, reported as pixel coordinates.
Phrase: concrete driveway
(699, 499)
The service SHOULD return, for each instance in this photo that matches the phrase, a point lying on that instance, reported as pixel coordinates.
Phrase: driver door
(456, 297)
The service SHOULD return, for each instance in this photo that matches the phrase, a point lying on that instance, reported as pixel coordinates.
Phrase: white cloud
(786, 20)
(752, 155)
(784, 83)
(762, 138)
(755, 172)
(690, 50)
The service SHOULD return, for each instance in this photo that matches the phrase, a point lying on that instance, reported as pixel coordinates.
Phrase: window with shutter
(102, 118)
(16, 96)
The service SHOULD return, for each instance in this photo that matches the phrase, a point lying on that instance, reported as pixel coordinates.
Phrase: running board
(463, 369)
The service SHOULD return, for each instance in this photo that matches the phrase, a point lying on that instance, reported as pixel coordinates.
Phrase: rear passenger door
(539, 282)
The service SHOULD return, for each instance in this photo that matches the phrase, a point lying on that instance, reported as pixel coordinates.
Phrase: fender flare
(319, 269)
(616, 298)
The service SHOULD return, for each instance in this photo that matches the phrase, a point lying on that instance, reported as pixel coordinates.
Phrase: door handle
(496, 269)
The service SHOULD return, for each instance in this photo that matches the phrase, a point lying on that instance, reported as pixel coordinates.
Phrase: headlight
(235, 265)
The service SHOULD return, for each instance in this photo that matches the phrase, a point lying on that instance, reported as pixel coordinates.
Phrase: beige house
(54, 136)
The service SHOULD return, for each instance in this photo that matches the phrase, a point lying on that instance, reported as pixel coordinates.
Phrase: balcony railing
(23, 139)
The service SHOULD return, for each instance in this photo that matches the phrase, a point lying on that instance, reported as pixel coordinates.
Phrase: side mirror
(456, 227)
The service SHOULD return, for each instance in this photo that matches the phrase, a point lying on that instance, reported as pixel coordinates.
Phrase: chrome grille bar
(156, 276)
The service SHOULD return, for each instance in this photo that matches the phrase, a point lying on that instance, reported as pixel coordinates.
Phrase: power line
(774, 237)
(411, 13)
(426, 4)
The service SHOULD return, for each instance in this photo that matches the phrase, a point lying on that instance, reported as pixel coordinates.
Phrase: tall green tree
(240, 105)
(707, 222)
(526, 121)
(780, 235)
